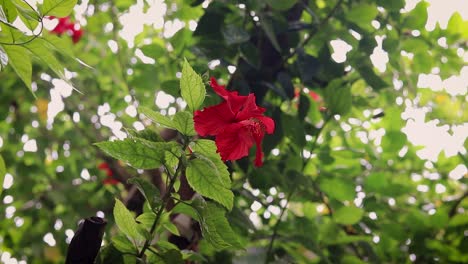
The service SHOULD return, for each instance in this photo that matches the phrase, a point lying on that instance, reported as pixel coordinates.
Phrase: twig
(276, 227)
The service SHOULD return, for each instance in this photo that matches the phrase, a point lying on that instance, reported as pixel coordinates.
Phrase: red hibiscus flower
(109, 180)
(66, 26)
(237, 124)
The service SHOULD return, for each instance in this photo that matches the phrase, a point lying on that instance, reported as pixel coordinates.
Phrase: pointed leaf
(149, 191)
(206, 179)
(125, 221)
(183, 122)
(216, 228)
(192, 88)
(42, 50)
(157, 117)
(138, 153)
(20, 60)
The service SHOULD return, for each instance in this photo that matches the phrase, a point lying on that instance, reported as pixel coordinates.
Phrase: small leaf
(149, 191)
(348, 215)
(417, 17)
(20, 60)
(157, 117)
(183, 122)
(216, 228)
(146, 219)
(58, 8)
(205, 178)
(192, 88)
(169, 226)
(138, 153)
(2, 173)
(124, 220)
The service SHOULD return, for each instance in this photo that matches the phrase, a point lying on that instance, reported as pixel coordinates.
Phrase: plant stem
(165, 200)
(276, 227)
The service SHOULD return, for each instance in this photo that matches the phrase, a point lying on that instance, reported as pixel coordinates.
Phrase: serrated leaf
(157, 117)
(2, 173)
(348, 215)
(125, 221)
(216, 228)
(58, 8)
(204, 178)
(183, 122)
(149, 191)
(20, 60)
(122, 244)
(192, 88)
(138, 153)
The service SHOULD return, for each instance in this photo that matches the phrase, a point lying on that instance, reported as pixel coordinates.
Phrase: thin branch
(317, 29)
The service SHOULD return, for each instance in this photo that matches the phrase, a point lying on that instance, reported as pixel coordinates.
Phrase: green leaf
(459, 220)
(372, 79)
(338, 189)
(216, 228)
(42, 50)
(138, 153)
(149, 191)
(146, 219)
(205, 178)
(27, 12)
(393, 5)
(192, 88)
(458, 26)
(281, 5)
(183, 122)
(8, 11)
(417, 18)
(362, 14)
(338, 97)
(157, 117)
(58, 8)
(60, 45)
(20, 60)
(125, 221)
(2, 173)
(235, 35)
(393, 140)
(376, 182)
(124, 245)
(348, 215)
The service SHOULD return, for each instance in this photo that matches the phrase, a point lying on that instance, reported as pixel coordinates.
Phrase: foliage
(341, 180)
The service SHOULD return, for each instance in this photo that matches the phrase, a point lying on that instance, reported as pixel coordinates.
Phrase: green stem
(160, 211)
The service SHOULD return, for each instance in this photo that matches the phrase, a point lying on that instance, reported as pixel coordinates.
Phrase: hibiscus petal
(234, 142)
(268, 123)
(211, 120)
(248, 109)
